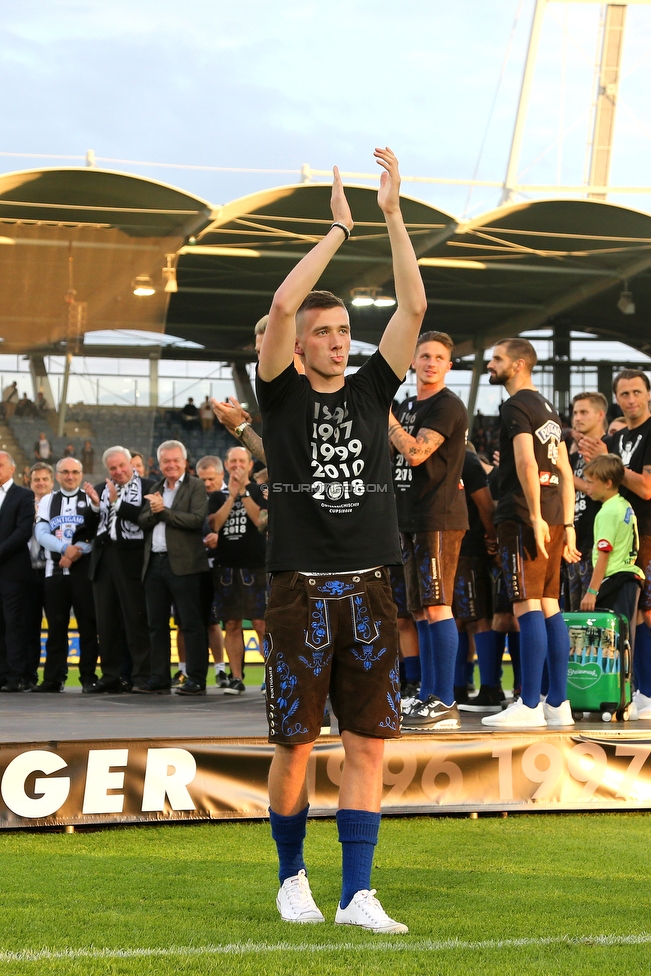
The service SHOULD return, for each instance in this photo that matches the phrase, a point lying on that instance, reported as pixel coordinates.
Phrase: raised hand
(388, 197)
(338, 202)
(90, 491)
(112, 491)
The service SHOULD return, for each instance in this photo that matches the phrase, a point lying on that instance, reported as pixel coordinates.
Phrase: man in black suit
(16, 523)
(116, 570)
(175, 558)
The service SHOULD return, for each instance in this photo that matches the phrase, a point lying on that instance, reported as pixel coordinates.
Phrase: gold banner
(131, 781)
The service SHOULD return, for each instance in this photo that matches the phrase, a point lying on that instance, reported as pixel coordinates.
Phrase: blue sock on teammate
(514, 654)
(642, 659)
(533, 635)
(289, 834)
(462, 660)
(426, 660)
(558, 656)
(358, 832)
(444, 638)
(411, 669)
(487, 651)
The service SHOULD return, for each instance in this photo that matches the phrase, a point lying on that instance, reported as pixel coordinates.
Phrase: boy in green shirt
(616, 580)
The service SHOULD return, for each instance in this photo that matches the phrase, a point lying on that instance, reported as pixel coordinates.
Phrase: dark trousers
(118, 598)
(61, 593)
(12, 630)
(162, 588)
(34, 601)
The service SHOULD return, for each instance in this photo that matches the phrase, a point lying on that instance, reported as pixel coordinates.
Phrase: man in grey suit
(175, 557)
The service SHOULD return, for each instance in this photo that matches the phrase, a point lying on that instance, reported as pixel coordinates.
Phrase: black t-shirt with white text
(528, 412)
(331, 504)
(585, 510)
(634, 448)
(430, 495)
(474, 479)
(240, 543)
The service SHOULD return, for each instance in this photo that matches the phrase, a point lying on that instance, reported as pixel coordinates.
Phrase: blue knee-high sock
(426, 660)
(514, 652)
(487, 651)
(642, 659)
(558, 656)
(358, 830)
(412, 669)
(289, 834)
(500, 644)
(401, 668)
(444, 638)
(533, 636)
(462, 660)
(544, 684)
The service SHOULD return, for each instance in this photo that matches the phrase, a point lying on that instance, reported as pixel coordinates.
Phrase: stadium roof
(517, 268)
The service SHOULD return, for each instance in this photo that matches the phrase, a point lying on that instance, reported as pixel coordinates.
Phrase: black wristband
(569, 525)
(338, 223)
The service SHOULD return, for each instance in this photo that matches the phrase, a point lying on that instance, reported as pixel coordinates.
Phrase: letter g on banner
(54, 792)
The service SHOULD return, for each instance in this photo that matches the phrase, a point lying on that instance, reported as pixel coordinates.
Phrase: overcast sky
(264, 84)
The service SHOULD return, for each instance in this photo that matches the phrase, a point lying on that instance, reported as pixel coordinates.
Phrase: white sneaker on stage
(367, 912)
(642, 704)
(559, 715)
(518, 716)
(295, 902)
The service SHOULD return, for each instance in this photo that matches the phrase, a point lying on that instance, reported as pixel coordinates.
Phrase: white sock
(182, 667)
(220, 668)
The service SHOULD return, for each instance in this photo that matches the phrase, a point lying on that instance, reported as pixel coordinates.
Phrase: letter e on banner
(99, 779)
(54, 792)
(159, 782)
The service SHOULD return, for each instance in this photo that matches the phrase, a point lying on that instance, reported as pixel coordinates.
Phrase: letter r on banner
(159, 782)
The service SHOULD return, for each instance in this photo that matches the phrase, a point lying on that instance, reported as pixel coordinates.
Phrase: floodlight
(626, 305)
(142, 286)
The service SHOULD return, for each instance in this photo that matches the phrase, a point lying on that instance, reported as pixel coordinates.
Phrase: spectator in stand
(240, 580)
(43, 448)
(633, 445)
(88, 457)
(16, 522)
(40, 403)
(175, 558)
(190, 415)
(472, 605)
(153, 468)
(535, 529)
(24, 407)
(206, 415)
(60, 530)
(429, 438)
(42, 483)
(588, 420)
(138, 463)
(69, 451)
(10, 399)
(116, 570)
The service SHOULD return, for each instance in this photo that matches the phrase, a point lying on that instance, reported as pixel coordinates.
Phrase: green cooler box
(599, 669)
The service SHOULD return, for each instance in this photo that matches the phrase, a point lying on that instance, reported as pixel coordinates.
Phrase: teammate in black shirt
(588, 420)
(429, 435)
(535, 528)
(633, 444)
(331, 622)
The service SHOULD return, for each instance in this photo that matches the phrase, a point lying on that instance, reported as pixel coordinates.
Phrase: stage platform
(71, 760)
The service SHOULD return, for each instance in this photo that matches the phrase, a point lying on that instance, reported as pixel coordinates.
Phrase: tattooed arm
(416, 449)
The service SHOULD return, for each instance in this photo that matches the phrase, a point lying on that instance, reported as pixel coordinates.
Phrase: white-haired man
(175, 558)
(116, 570)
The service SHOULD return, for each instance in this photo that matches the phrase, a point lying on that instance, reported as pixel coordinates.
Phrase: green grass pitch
(531, 894)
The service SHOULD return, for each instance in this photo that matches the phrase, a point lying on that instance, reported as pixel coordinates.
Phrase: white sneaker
(366, 911)
(642, 704)
(519, 716)
(558, 715)
(295, 902)
(409, 705)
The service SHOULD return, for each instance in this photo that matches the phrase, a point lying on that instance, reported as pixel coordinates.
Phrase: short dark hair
(441, 337)
(598, 400)
(518, 348)
(606, 467)
(631, 374)
(320, 299)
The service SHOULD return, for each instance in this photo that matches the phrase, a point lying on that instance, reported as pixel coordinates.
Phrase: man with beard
(535, 529)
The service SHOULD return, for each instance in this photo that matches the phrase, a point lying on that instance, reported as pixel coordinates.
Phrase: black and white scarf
(130, 493)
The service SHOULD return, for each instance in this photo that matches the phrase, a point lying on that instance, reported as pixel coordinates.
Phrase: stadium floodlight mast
(143, 286)
(604, 123)
(364, 297)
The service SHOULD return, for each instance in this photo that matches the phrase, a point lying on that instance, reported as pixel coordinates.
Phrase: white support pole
(523, 103)
(64, 395)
